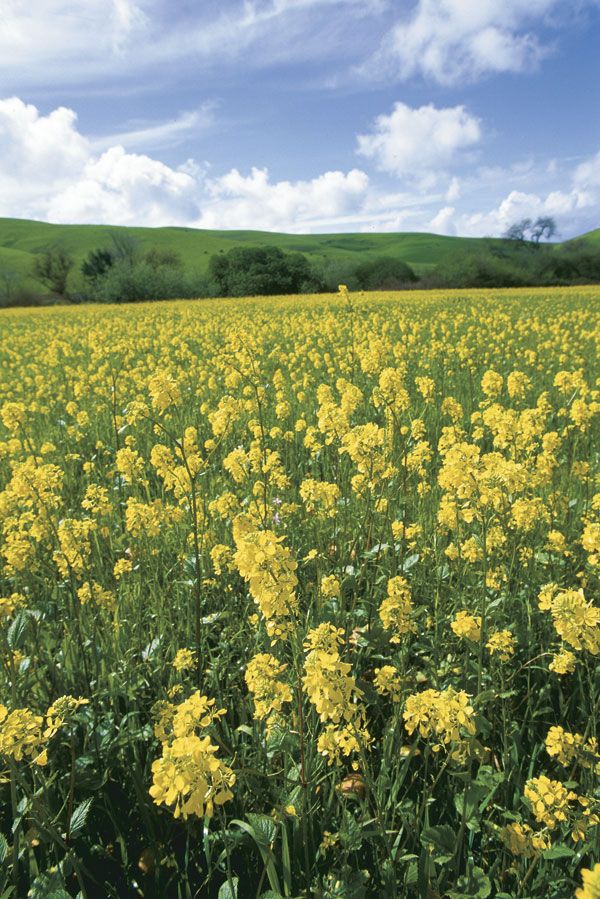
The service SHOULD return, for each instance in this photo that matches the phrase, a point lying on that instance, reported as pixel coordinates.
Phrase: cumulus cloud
(575, 207)
(253, 201)
(444, 221)
(50, 171)
(412, 142)
(454, 40)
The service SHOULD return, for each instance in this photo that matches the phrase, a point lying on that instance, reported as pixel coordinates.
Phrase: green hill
(21, 239)
(591, 236)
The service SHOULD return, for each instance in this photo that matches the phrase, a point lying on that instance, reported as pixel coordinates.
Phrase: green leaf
(265, 829)
(558, 852)
(3, 848)
(16, 631)
(79, 817)
(410, 561)
(46, 886)
(443, 838)
(475, 883)
(225, 890)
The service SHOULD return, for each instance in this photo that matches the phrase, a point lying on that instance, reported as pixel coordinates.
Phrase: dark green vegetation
(145, 263)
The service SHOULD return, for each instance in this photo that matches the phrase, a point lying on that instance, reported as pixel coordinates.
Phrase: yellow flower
(269, 569)
(467, 626)
(330, 586)
(184, 659)
(521, 840)
(549, 800)
(268, 692)
(445, 714)
(396, 609)
(190, 777)
(591, 883)
(502, 644)
(563, 662)
(164, 390)
(388, 682)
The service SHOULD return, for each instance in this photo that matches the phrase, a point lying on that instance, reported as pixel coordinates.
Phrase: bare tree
(543, 228)
(518, 230)
(529, 232)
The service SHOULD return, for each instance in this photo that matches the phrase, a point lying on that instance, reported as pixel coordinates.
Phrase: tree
(158, 257)
(518, 230)
(543, 227)
(9, 279)
(260, 271)
(126, 248)
(97, 263)
(528, 232)
(384, 273)
(52, 269)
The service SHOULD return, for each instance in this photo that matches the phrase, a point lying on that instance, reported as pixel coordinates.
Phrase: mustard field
(299, 597)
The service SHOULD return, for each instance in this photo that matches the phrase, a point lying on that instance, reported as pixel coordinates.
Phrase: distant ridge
(20, 239)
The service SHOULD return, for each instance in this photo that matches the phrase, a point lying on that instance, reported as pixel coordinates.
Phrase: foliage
(298, 597)
(256, 271)
(52, 267)
(97, 263)
(384, 273)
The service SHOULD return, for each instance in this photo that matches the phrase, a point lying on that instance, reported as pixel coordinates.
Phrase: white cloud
(56, 42)
(48, 170)
(61, 38)
(444, 221)
(253, 201)
(413, 142)
(587, 174)
(160, 134)
(126, 189)
(456, 40)
(575, 210)
(454, 191)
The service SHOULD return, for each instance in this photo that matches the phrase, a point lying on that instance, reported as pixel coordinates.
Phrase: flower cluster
(188, 776)
(269, 693)
(269, 569)
(396, 609)
(444, 714)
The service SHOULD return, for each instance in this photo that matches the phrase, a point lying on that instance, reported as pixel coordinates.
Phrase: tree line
(121, 271)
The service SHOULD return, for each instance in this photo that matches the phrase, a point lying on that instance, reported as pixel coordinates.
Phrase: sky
(451, 116)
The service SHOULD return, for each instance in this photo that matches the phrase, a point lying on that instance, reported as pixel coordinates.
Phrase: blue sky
(454, 116)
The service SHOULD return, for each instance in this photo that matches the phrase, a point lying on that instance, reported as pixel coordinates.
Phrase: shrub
(260, 271)
(384, 273)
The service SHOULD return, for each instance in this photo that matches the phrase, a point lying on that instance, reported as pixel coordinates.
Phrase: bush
(51, 268)
(576, 262)
(481, 270)
(125, 283)
(384, 273)
(260, 271)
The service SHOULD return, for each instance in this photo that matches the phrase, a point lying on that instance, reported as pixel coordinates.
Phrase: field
(20, 240)
(299, 597)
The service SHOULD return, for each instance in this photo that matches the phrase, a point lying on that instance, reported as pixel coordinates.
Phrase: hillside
(21, 239)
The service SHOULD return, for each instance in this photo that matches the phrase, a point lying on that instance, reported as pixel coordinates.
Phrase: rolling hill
(21, 239)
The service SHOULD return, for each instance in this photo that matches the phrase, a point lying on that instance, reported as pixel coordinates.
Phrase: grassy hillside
(20, 239)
